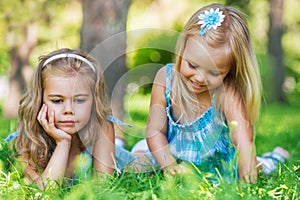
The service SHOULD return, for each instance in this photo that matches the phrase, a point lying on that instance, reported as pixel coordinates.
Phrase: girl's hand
(179, 169)
(48, 125)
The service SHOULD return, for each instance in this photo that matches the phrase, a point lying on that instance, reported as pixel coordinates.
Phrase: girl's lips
(68, 123)
(196, 85)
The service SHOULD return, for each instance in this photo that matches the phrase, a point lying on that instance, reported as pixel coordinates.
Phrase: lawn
(278, 125)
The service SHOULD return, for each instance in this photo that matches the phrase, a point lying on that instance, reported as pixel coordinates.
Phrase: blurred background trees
(22, 25)
(275, 51)
(103, 33)
(30, 28)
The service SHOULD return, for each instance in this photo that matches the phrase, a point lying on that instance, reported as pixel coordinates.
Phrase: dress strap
(119, 122)
(168, 83)
(11, 136)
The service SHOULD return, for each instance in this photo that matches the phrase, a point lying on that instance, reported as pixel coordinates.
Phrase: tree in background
(21, 37)
(103, 33)
(21, 19)
(275, 51)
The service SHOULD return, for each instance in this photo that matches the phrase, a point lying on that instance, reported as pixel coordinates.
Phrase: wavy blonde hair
(33, 142)
(233, 35)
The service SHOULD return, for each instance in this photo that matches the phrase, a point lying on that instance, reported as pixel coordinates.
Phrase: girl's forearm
(56, 167)
(247, 163)
(159, 148)
(164, 158)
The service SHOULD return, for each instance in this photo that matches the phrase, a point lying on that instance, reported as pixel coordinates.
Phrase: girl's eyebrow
(85, 95)
(54, 95)
(59, 95)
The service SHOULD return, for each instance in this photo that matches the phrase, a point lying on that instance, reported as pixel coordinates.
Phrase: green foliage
(280, 185)
(4, 61)
(6, 159)
(7, 126)
(153, 49)
(278, 125)
(57, 22)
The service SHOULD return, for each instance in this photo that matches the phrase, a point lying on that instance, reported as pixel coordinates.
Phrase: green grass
(137, 107)
(6, 125)
(278, 125)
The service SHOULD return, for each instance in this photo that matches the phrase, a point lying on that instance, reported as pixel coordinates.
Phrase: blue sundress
(205, 142)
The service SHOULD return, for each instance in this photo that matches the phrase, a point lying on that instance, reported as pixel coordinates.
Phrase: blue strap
(119, 122)
(168, 83)
(11, 136)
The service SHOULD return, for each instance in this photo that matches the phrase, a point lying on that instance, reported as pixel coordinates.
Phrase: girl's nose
(68, 109)
(200, 78)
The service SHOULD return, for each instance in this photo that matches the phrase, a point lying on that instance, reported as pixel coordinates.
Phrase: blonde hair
(33, 142)
(244, 74)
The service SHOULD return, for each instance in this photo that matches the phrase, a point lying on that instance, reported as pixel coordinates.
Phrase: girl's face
(203, 67)
(71, 100)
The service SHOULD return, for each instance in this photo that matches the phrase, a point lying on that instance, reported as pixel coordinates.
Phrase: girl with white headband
(63, 120)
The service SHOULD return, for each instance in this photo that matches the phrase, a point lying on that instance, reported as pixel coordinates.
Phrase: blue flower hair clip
(212, 18)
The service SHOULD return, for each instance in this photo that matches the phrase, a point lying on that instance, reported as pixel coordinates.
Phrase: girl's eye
(79, 100)
(215, 73)
(192, 66)
(56, 101)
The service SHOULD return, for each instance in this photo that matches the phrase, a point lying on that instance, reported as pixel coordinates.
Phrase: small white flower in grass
(210, 19)
(16, 185)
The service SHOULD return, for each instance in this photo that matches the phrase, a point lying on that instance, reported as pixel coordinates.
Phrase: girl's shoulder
(163, 73)
(233, 102)
(232, 94)
(158, 91)
(160, 77)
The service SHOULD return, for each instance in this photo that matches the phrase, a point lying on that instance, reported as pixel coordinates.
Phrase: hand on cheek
(46, 118)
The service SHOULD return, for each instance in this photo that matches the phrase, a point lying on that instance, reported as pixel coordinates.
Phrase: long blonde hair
(244, 74)
(33, 142)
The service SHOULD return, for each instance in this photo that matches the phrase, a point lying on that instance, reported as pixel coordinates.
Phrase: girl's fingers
(171, 171)
(52, 130)
(46, 118)
(40, 113)
(42, 116)
(51, 118)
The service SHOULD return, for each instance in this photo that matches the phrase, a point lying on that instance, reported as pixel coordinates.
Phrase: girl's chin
(198, 89)
(70, 131)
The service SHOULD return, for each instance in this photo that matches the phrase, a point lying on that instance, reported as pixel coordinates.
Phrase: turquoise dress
(205, 142)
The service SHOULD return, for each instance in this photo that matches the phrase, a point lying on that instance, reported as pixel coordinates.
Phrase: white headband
(69, 55)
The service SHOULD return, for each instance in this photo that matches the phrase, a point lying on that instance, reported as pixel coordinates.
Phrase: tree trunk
(20, 71)
(275, 49)
(103, 34)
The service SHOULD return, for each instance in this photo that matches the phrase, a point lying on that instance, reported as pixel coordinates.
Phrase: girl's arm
(157, 124)
(242, 136)
(104, 149)
(56, 167)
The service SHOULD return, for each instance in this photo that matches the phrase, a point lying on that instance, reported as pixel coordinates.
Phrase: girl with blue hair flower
(204, 107)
